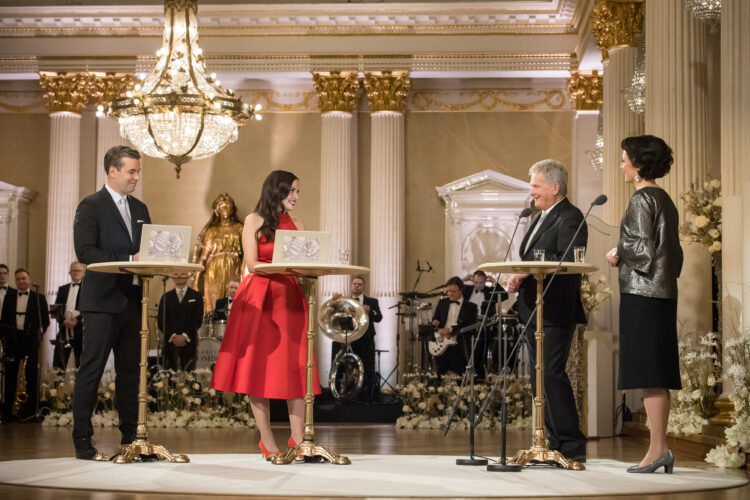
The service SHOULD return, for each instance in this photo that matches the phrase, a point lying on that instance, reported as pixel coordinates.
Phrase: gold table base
(309, 450)
(545, 455)
(138, 447)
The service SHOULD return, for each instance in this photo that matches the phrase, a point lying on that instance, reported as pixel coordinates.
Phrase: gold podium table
(309, 274)
(145, 271)
(539, 451)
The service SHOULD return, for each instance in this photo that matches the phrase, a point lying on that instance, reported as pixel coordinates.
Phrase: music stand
(309, 274)
(539, 451)
(145, 271)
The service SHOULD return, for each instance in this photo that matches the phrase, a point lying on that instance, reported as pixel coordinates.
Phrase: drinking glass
(538, 255)
(579, 254)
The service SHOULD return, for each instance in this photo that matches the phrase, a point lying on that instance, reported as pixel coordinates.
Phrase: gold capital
(337, 91)
(616, 23)
(66, 91)
(585, 89)
(387, 90)
(111, 86)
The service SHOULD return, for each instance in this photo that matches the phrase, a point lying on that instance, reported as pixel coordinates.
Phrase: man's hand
(366, 308)
(179, 340)
(70, 323)
(136, 257)
(514, 283)
(445, 332)
(435, 322)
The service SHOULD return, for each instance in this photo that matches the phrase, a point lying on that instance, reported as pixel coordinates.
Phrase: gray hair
(554, 173)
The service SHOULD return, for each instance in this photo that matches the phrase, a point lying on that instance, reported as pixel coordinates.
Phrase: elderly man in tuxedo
(451, 315)
(25, 320)
(552, 231)
(107, 227)
(180, 315)
(70, 332)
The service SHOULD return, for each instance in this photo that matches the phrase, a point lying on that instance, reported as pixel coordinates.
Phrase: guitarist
(452, 314)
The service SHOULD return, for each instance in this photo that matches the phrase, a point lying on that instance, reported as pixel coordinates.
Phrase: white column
(587, 182)
(618, 122)
(107, 136)
(387, 234)
(677, 111)
(14, 225)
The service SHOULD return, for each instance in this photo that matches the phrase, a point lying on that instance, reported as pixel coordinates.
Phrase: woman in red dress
(264, 351)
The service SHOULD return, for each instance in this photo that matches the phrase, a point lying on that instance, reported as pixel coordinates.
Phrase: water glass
(344, 256)
(579, 254)
(538, 255)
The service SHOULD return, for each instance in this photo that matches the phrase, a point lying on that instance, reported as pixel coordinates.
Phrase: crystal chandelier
(635, 93)
(708, 11)
(596, 155)
(179, 112)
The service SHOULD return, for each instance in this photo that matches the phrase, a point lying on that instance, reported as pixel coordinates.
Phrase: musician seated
(180, 316)
(224, 306)
(451, 315)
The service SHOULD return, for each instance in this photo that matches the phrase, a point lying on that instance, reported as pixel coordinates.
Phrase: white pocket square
(139, 221)
(191, 300)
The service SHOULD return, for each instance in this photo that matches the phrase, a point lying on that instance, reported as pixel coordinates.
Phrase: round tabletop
(144, 268)
(537, 267)
(304, 269)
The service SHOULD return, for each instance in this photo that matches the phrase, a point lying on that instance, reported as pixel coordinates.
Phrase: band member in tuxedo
(364, 347)
(224, 305)
(180, 315)
(452, 314)
(107, 227)
(70, 332)
(552, 231)
(481, 295)
(5, 288)
(25, 321)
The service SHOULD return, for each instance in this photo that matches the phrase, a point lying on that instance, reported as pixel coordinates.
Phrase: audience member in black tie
(70, 332)
(481, 295)
(224, 306)
(552, 231)
(5, 288)
(364, 347)
(107, 227)
(180, 316)
(26, 321)
(452, 314)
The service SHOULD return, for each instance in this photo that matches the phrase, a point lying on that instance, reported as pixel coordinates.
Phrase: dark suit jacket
(100, 235)
(375, 316)
(466, 315)
(11, 291)
(487, 292)
(181, 317)
(220, 310)
(562, 304)
(62, 299)
(33, 315)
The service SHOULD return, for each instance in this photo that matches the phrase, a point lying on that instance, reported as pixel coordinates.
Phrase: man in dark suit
(224, 305)
(552, 231)
(364, 347)
(107, 228)
(70, 332)
(180, 315)
(451, 315)
(481, 295)
(5, 288)
(25, 320)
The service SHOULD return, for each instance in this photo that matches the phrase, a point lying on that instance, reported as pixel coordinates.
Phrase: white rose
(196, 386)
(714, 233)
(706, 185)
(701, 221)
(212, 392)
(422, 405)
(159, 385)
(716, 183)
(111, 386)
(717, 202)
(715, 247)
(711, 380)
(107, 395)
(441, 407)
(185, 390)
(197, 401)
(53, 392)
(406, 409)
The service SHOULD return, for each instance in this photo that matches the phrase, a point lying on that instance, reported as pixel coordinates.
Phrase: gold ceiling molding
(111, 86)
(585, 89)
(487, 100)
(337, 91)
(282, 101)
(616, 23)
(387, 90)
(67, 92)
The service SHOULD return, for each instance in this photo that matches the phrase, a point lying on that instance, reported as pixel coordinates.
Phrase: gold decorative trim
(68, 92)
(112, 86)
(616, 23)
(487, 100)
(291, 101)
(337, 91)
(585, 90)
(387, 90)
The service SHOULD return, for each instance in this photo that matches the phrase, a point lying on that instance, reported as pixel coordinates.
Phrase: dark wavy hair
(275, 189)
(649, 154)
(455, 280)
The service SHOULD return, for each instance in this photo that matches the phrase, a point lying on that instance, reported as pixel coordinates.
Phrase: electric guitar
(438, 346)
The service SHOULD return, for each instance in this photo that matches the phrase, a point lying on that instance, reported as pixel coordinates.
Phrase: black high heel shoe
(666, 461)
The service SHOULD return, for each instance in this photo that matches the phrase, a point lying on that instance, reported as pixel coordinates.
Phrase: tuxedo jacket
(181, 317)
(466, 315)
(62, 299)
(486, 293)
(100, 235)
(220, 311)
(8, 293)
(562, 304)
(36, 310)
(375, 316)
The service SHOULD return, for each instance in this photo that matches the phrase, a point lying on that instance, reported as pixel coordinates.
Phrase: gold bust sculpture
(219, 249)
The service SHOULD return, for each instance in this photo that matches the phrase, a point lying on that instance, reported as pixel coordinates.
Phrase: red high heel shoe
(292, 444)
(267, 454)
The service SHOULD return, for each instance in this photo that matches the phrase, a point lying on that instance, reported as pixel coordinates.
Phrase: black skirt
(649, 357)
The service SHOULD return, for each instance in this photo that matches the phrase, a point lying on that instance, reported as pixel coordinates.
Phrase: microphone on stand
(430, 267)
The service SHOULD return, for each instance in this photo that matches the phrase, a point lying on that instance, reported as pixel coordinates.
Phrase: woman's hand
(613, 258)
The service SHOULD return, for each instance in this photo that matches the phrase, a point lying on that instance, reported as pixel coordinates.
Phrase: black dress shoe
(86, 450)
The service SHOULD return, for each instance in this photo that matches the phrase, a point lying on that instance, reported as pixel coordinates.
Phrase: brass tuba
(344, 320)
(21, 396)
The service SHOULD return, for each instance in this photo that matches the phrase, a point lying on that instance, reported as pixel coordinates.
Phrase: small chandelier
(635, 93)
(707, 11)
(596, 155)
(179, 112)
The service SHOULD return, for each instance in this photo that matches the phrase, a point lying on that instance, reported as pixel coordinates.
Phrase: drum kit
(209, 339)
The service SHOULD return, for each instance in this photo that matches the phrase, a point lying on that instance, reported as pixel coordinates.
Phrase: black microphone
(418, 269)
(430, 266)
(527, 211)
(600, 200)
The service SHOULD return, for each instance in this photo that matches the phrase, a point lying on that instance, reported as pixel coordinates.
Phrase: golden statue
(219, 249)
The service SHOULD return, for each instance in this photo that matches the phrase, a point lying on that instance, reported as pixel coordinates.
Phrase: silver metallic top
(649, 247)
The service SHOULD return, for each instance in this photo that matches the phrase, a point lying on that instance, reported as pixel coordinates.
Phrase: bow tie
(477, 291)
(23, 293)
(454, 302)
(75, 284)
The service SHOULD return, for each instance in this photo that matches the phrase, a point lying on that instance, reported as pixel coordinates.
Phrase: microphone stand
(469, 372)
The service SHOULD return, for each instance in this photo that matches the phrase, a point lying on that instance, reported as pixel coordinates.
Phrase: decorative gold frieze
(585, 90)
(67, 91)
(617, 23)
(181, 5)
(111, 86)
(484, 100)
(337, 91)
(387, 90)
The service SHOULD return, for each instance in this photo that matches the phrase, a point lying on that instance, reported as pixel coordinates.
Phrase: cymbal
(418, 295)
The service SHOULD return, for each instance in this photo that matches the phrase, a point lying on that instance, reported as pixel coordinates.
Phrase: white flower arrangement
(429, 399)
(594, 291)
(703, 207)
